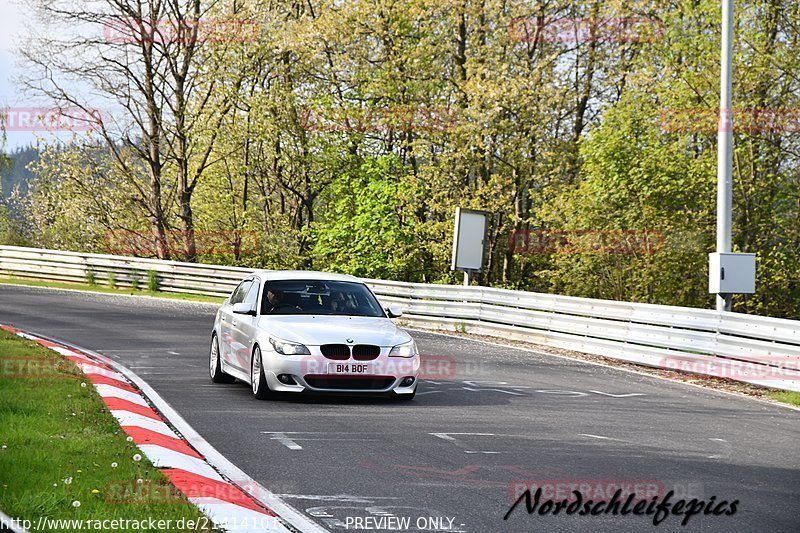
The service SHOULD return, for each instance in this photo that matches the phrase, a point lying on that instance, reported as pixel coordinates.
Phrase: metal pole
(725, 145)
(466, 278)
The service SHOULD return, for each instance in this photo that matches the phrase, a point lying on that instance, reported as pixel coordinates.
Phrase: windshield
(319, 297)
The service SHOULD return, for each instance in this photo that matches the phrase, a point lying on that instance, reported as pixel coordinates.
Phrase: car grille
(366, 352)
(350, 382)
(338, 352)
(342, 352)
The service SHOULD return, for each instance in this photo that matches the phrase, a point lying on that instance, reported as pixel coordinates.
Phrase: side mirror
(394, 312)
(243, 309)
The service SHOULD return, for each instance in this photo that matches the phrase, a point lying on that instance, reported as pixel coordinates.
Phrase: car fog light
(286, 379)
(407, 381)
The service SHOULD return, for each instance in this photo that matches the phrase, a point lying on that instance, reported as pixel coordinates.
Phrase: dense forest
(341, 135)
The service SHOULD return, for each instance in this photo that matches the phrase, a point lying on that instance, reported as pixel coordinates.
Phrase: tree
(368, 226)
(365, 123)
(639, 225)
(5, 165)
(81, 200)
(151, 66)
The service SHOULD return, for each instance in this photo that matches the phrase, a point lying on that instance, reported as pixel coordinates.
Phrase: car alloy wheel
(255, 375)
(215, 365)
(259, 383)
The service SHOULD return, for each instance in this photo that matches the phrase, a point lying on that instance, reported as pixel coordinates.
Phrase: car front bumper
(311, 373)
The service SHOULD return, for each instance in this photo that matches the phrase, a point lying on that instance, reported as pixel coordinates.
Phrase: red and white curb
(230, 498)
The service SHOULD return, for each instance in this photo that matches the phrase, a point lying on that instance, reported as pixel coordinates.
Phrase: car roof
(272, 275)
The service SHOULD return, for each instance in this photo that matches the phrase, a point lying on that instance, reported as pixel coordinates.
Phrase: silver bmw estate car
(300, 331)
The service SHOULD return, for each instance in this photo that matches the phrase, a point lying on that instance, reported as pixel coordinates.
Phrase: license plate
(355, 369)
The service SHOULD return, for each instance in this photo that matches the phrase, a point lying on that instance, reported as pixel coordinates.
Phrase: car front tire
(214, 364)
(258, 382)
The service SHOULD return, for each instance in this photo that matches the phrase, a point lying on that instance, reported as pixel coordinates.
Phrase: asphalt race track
(488, 419)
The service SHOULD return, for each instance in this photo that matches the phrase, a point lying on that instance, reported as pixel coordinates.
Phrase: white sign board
(469, 237)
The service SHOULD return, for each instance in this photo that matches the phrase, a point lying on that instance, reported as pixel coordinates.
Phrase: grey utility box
(731, 273)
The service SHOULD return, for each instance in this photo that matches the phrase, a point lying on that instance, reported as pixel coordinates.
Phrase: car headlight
(288, 348)
(408, 349)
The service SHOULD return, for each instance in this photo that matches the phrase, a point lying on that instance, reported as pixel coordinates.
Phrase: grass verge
(109, 290)
(62, 453)
(792, 398)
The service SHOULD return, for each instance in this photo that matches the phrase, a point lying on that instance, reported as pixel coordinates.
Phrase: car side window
(252, 295)
(240, 292)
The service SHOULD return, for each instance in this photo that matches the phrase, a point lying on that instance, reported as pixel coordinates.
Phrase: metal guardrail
(173, 276)
(759, 350)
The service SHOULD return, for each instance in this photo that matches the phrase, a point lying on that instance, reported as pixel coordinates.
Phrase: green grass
(152, 281)
(59, 445)
(792, 398)
(117, 290)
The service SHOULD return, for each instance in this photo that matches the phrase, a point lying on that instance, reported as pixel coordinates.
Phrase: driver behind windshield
(309, 297)
(274, 299)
